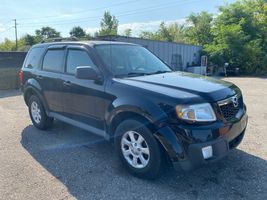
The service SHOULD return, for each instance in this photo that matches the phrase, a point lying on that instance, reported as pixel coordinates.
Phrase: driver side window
(77, 58)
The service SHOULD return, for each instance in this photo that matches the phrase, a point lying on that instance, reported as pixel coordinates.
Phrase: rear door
(50, 77)
(83, 100)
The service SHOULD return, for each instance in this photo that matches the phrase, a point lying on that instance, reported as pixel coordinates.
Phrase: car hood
(180, 83)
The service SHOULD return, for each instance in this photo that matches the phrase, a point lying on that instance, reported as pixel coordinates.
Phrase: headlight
(196, 113)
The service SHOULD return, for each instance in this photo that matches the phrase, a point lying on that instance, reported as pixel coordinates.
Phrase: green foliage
(9, 45)
(171, 33)
(46, 32)
(199, 30)
(78, 32)
(240, 36)
(29, 40)
(128, 32)
(108, 25)
(25, 42)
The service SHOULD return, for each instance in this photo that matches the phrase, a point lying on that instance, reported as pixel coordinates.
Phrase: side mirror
(86, 72)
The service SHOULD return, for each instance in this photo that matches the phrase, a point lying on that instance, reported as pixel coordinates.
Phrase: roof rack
(107, 37)
(60, 39)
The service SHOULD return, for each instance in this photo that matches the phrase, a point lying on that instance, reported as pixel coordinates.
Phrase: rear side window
(53, 60)
(77, 58)
(33, 57)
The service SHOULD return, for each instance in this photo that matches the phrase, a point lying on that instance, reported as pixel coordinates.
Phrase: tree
(148, 35)
(9, 45)
(239, 33)
(177, 31)
(164, 34)
(78, 32)
(29, 39)
(128, 32)
(47, 32)
(109, 25)
(171, 33)
(199, 30)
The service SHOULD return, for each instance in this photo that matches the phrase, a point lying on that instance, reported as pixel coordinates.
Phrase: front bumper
(191, 139)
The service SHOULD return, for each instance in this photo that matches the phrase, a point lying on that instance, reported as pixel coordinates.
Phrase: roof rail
(60, 39)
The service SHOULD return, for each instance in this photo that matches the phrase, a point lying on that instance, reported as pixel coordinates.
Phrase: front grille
(229, 109)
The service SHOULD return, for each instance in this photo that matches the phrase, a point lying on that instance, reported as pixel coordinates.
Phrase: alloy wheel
(135, 149)
(36, 112)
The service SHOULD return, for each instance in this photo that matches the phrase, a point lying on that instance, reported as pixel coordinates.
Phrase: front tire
(38, 115)
(138, 149)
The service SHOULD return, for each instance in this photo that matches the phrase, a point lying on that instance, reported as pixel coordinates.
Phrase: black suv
(126, 94)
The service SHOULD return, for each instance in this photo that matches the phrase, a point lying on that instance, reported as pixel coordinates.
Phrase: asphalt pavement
(68, 163)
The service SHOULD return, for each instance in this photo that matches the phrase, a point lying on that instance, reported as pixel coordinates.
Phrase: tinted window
(33, 58)
(77, 58)
(53, 60)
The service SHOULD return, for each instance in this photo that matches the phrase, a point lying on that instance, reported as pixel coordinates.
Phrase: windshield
(130, 60)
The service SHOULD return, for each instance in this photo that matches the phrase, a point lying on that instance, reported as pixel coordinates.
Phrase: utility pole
(16, 33)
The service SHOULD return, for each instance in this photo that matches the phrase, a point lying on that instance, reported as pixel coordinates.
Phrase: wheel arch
(128, 114)
(124, 115)
(29, 91)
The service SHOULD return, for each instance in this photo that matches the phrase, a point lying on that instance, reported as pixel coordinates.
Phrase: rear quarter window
(33, 58)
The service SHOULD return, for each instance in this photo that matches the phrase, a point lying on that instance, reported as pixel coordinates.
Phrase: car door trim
(79, 124)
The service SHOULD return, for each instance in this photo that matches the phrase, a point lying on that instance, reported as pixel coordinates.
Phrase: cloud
(92, 30)
(2, 28)
(138, 27)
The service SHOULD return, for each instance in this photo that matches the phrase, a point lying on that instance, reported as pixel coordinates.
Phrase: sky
(139, 15)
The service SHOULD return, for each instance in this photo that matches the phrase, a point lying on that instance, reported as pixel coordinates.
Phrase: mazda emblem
(235, 101)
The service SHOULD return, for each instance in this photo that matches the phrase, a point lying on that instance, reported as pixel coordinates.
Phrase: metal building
(177, 55)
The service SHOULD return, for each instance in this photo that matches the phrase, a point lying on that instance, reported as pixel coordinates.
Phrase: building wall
(174, 54)
(10, 64)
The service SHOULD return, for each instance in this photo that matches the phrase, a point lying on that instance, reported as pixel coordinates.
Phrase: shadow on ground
(88, 167)
(9, 93)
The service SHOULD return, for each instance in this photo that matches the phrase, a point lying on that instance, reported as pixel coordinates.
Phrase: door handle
(39, 77)
(67, 83)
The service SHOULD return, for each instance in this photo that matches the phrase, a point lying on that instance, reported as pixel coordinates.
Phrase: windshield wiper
(137, 74)
(130, 74)
(159, 72)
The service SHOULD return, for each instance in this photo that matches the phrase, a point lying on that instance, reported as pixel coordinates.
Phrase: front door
(83, 100)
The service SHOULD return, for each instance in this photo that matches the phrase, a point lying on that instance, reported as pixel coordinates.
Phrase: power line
(132, 12)
(161, 5)
(82, 11)
(6, 30)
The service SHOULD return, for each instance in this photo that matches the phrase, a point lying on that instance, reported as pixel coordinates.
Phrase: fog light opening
(207, 152)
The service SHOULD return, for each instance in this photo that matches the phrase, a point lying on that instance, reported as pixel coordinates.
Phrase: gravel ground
(69, 163)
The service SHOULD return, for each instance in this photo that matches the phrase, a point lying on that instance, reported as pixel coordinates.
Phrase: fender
(171, 143)
(149, 110)
(32, 84)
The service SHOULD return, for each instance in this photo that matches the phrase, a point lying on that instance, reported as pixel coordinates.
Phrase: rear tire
(138, 149)
(38, 115)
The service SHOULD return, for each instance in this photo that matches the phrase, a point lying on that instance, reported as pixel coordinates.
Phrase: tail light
(20, 76)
